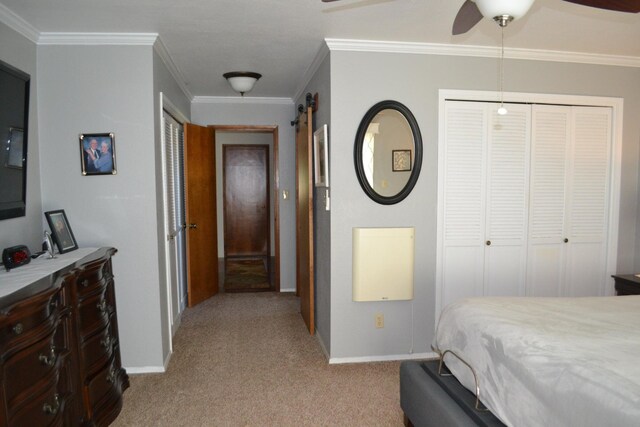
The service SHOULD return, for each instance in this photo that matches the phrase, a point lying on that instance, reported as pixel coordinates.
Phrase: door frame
(173, 319)
(273, 130)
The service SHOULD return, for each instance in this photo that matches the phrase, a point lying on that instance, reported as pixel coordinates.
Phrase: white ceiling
(280, 38)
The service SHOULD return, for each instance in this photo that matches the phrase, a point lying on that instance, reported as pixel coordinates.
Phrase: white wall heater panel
(383, 261)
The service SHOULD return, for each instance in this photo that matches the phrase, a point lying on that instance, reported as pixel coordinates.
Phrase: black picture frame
(417, 152)
(98, 154)
(401, 160)
(61, 231)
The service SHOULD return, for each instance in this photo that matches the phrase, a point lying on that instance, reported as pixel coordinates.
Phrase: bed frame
(431, 400)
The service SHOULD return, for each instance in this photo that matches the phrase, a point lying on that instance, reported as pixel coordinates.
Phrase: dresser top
(42, 273)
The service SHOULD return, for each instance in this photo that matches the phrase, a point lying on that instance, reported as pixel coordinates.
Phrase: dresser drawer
(43, 408)
(24, 322)
(93, 275)
(106, 384)
(98, 349)
(94, 312)
(24, 369)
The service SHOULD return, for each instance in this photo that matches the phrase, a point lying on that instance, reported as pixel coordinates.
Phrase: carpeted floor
(247, 360)
(246, 275)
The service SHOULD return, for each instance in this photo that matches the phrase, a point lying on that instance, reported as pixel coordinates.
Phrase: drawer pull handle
(102, 306)
(52, 409)
(18, 329)
(85, 283)
(49, 360)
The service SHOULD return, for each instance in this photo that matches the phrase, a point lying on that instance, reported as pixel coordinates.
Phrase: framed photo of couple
(98, 154)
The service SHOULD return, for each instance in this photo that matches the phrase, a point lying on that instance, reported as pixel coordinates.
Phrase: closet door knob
(566, 240)
(488, 242)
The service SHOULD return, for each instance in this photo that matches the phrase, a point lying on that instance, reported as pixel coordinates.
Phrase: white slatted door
(587, 209)
(463, 207)
(550, 145)
(507, 201)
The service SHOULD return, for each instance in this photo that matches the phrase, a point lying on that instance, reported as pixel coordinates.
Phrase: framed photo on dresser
(61, 231)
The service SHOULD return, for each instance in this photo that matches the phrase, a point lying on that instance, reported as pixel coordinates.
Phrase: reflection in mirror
(388, 152)
(14, 111)
(388, 168)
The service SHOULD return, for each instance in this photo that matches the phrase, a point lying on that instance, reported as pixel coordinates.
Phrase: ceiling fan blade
(630, 6)
(468, 16)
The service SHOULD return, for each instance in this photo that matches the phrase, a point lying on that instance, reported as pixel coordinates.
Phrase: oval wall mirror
(388, 152)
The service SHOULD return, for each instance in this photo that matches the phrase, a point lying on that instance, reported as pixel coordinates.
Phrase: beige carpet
(247, 360)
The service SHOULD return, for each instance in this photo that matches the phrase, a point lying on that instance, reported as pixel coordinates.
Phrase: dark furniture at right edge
(627, 284)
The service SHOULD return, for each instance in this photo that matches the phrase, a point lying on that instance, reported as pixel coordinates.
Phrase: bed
(547, 361)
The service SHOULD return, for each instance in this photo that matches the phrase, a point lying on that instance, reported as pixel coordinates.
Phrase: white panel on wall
(383, 261)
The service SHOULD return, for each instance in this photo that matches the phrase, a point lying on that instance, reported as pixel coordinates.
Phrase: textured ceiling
(280, 38)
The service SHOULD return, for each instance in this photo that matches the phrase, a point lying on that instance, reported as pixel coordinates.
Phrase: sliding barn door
(304, 219)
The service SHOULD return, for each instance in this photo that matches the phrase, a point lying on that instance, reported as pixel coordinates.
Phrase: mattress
(548, 361)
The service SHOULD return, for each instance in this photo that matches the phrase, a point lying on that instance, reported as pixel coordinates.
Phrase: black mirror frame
(417, 144)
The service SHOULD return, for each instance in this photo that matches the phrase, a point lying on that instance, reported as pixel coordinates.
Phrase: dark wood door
(304, 220)
(200, 215)
(246, 200)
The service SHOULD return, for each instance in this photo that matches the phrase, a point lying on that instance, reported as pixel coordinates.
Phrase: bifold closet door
(570, 177)
(550, 153)
(485, 193)
(588, 192)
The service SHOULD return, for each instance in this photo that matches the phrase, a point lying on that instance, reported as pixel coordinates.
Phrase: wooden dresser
(59, 352)
(627, 284)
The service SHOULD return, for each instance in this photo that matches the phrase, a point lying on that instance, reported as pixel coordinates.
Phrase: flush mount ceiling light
(242, 81)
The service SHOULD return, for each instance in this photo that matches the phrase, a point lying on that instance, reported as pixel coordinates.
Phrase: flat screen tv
(14, 119)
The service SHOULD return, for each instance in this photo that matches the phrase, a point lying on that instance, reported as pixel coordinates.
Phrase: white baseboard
(146, 370)
(287, 290)
(392, 357)
(150, 369)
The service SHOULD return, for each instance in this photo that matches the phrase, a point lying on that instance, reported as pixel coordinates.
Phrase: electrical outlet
(379, 320)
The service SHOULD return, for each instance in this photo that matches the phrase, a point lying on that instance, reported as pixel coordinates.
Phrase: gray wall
(246, 112)
(21, 53)
(94, 89)
(359, 80)
(321, 83)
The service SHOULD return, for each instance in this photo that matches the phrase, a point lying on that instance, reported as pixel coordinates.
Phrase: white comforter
(549, 361)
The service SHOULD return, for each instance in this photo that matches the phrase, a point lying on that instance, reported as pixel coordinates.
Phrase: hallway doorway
(247, 204)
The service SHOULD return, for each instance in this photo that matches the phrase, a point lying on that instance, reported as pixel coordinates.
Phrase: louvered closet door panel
(550, 142)
(464, 204)
(507, 201)
(587, 211)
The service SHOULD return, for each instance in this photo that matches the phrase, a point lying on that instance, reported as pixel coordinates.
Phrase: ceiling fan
(505, 11)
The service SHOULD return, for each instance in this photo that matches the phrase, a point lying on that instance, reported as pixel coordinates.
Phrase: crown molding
(16, 23)
(161, 49)
(311, 71)
(94, 39)
(480, 51)
(240, 100)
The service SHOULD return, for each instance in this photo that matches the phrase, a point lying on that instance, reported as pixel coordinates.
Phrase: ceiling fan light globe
(497, 8)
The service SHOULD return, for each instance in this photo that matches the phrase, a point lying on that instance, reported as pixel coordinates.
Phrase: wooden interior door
(200, 203)
(246, 201)
(304, 220)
